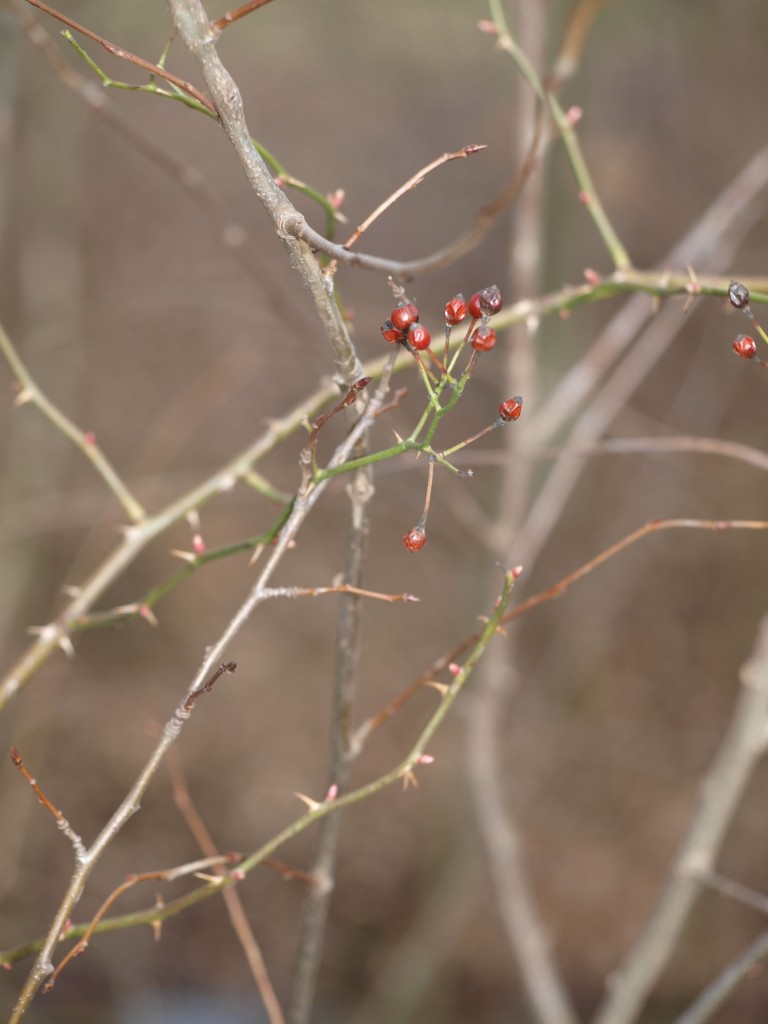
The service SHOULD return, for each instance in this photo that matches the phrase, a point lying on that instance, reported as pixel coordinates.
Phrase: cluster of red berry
(404, 328)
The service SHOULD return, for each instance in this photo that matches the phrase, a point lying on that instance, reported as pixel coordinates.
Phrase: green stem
(85, 442)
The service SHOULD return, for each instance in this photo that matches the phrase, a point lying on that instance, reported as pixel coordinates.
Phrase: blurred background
(174, 333)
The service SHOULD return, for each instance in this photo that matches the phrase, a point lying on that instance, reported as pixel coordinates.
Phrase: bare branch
(742, 747)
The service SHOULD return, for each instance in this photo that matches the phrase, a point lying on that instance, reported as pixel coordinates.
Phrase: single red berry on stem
(404, 316)
(391, 333)
(484, 339)
(415, 539)
(744, 346)
(474, 307)
(418, 337)
(455, 310)
(511, 409)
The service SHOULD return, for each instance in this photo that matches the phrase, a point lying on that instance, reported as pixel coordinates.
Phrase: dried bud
(487, 301)
(738, 295)
(390, 333)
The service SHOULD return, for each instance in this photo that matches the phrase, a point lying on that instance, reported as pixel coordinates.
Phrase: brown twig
(236, 14)
(61, 822)
(408, 186)
(167, 875)
(118, 51)
(235, 910)
(227, 666)
(319, 422)
(557, 589)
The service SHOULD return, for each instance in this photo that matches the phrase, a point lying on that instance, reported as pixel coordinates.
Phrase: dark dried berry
(485, 303)
(484, 339)
(511, 409)
(418, 337)
(415, 539)
(738, 295)
(744, 346)
(455, 310)
(404, 316)
(390, 333)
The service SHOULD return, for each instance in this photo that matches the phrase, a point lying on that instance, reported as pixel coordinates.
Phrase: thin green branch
(86, 442)
(588, 191)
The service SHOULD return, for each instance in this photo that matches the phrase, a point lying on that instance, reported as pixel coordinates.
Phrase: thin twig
(166, 875)
(118, 51)
(742, 747)
(408, 186)
(193, 25)
(235, 910)
(445, 660)
(236, 14)
(130, 804)
(61, 822)
(86, 862)
(714, 995)
(735, 891)
(85, 441)
(403, 771)
(519, 915)
(348, 644)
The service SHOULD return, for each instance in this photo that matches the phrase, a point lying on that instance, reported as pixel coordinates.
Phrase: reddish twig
(408, 186)
(226, 666)
(167, 875)
(61, 822)
(556, 590)
(319, 421)
(132, 58)
(236, 14)
(237, 916)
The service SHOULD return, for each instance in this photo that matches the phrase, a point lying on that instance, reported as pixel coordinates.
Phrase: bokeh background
(142, 320)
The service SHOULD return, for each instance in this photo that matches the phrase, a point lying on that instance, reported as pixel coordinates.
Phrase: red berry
(415, 539)
(455, 310)
(744, 346)
(418, 337)
(474, 307)
(404, 316)
(484, 339)
(485, 303)
(511, 409)
(390, 333)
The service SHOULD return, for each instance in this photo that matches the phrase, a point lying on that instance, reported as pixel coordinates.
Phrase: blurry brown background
(146, 329)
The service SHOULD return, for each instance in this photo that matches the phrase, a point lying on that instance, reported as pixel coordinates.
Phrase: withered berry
(485, 303)
(511, 409)
(390, 333)
(738, 295)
